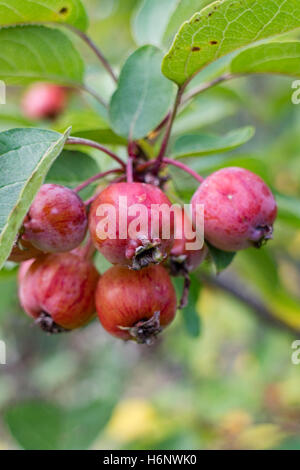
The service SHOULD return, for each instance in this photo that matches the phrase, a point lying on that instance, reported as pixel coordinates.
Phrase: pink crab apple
(239, 209)
(44, 101)
(135, 305)
(183, 257)
(134, 248)
(56, 221)
(58, 290)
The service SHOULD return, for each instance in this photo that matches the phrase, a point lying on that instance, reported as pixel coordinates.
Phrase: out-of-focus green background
(232, 387)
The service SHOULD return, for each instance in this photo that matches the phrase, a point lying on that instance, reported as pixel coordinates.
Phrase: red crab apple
(132, 243)
(135, 304)
(56, 221)
(44, 101)
(58, 290)
(186, 255)
(239, 209)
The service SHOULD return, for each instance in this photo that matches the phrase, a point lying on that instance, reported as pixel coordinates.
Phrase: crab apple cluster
(135, 299)
(44, 101)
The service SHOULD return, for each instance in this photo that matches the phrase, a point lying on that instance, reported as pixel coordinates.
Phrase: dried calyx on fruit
(23, 250)
(56, 221)
(239, 209)
(58, 290)
(135, 305)
(136, 247)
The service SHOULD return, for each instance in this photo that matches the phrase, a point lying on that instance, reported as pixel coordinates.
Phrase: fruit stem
(129, 170)
(171, 120)
(186, 290)
(205, 86)
(95, 49)
(96, 177)
(94, 95)
(129, 166)
(186, 98)
(184, 167)
(153, 135)
(95, 145)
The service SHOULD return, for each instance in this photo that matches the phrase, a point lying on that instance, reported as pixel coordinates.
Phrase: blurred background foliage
(233, 386)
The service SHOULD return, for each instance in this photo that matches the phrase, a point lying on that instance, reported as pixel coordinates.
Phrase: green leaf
(34, 11)
(71, 168)
(156, 21)
(44, 426)
(102, 136)
(151, 20)
(202, 144)
(88, 124)
(203, 111)
(25, 158)
(184, 10)
(35, 425)
(82, 426)
(30, 53)
(278, 58)
(143, 96)
(190, 315)
(222, 259)
(223, 27)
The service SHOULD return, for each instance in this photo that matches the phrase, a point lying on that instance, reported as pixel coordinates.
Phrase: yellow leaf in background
(260, 437)
(133, 419)
(235, 421)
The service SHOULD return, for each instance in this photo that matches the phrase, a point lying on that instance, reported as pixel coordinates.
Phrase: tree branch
(239, 291)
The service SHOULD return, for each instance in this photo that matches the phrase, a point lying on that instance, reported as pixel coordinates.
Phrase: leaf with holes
(183, 12)
(202, 144)
(277, 57)
(143, 96)
(25, 158)
(223, 27)
(30, 53)
(34, 11)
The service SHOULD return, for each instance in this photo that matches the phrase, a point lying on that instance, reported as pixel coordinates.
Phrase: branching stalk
(185, 168)
(95, 178)
(95, 145)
